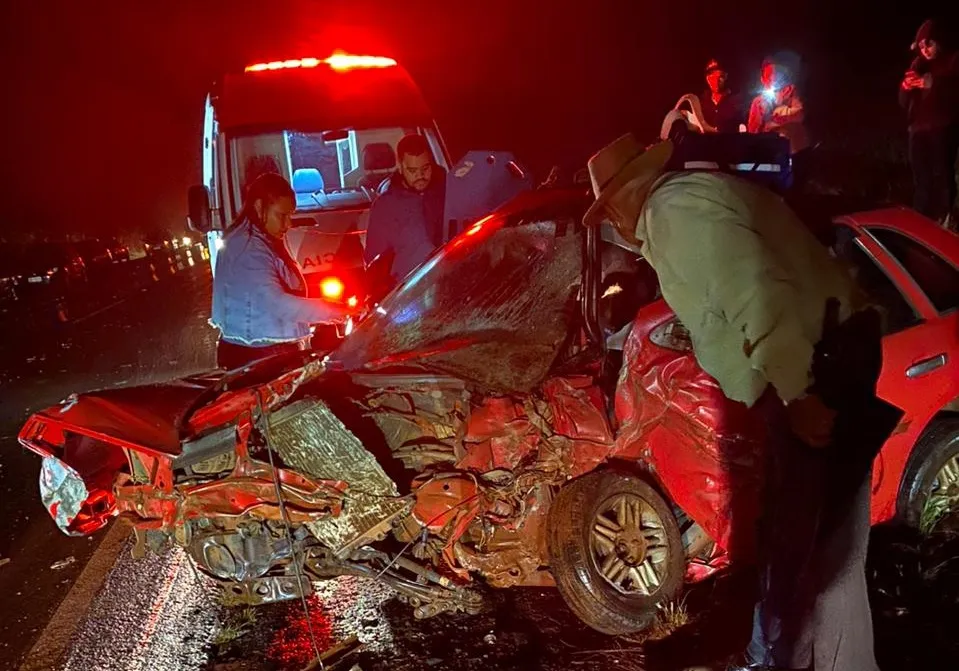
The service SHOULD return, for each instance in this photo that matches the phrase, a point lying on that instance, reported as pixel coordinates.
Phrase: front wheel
(930, 486)
(615, 550)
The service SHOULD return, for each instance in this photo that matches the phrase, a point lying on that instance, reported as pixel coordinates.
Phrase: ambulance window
(347, 153)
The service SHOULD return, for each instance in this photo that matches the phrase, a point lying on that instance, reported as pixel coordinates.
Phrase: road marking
(49, 649)
(100, 310)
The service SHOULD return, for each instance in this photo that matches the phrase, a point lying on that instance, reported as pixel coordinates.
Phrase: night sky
(103, 99)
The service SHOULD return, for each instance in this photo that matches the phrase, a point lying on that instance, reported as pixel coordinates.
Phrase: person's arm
(268, 289)
(377, 238)
(700, 233)
(757, 112)
(792, 111)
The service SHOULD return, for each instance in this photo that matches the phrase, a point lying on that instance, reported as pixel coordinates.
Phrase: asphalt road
(139, 331)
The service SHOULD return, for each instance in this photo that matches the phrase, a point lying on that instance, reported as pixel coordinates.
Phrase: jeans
(231, 356)
(814, 609)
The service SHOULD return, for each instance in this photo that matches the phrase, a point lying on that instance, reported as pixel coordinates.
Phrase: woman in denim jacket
(259, 295)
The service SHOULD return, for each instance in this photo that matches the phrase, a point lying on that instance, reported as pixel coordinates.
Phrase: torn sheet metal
(706, 450)
(311, 439)
(422, 418)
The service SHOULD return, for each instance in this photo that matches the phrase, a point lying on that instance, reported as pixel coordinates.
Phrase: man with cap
(722, 108)
(929, 93)
(779, 324)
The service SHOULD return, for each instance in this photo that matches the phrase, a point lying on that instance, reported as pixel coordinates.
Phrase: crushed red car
(524, 409)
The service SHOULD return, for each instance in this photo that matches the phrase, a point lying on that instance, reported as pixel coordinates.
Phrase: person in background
(722, 109)
(779, 108)
(929, 92)
(783, 329)
(406, 220)
(259, 295)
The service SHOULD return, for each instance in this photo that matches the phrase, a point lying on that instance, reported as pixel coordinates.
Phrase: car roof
(909, 222)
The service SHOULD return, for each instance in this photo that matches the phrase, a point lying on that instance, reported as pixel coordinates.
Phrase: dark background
(103, 99)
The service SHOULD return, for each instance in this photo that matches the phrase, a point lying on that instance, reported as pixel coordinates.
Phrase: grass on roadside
(238, 624)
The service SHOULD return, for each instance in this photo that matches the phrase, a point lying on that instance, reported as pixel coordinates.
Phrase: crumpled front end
(488, 465)
(704, 449)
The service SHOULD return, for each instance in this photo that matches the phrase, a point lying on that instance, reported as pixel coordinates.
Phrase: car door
(920, 368)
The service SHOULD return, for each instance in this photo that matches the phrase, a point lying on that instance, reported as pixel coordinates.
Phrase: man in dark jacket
(406, 221)
(722, 109)
(929, 93)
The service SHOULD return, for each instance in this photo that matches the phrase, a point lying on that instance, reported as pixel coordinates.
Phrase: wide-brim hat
(618, 163)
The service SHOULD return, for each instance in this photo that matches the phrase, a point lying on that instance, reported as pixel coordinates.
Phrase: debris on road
(4, 560)
(332, 657)
(63, 563)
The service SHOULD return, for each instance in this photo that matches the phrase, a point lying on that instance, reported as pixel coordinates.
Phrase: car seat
(379, 160)
(306, 182)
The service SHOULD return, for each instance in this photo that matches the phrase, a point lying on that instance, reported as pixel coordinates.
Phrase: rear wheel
(615, 550)
(930, 486)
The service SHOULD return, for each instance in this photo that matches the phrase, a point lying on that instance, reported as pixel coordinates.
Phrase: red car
(522, 410)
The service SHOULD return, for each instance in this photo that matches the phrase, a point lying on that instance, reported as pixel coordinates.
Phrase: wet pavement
(159, 613)
(140, 331)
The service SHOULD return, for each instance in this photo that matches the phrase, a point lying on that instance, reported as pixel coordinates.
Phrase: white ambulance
(331, 127)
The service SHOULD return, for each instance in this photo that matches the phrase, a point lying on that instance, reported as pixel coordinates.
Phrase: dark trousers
(814, 610)
(231, 356)
(932, 154)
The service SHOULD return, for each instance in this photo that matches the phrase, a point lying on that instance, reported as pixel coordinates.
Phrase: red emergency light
(332, 287)
(338, 61)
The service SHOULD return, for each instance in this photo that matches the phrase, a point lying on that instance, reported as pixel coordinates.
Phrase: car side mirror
(198, 203)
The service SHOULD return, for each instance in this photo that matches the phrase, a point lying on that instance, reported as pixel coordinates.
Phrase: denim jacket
(258, 292)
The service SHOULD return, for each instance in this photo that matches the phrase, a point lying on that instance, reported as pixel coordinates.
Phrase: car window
(937, 278)
(898, 314)
(627, 281)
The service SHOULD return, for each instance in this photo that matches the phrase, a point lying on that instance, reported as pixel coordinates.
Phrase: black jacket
(937, 107)
(727, 115)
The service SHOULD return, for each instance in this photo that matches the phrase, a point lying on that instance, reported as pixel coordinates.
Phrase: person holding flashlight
(779, 107)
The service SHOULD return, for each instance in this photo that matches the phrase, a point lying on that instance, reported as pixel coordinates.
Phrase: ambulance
(330, 126)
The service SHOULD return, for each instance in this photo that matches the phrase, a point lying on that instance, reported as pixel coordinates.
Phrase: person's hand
(811, 420)
(911, 81)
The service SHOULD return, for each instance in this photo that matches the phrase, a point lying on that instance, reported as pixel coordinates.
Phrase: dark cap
(714, 65)
(927, 31)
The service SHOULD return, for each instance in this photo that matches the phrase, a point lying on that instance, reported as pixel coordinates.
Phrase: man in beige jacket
(771, 317)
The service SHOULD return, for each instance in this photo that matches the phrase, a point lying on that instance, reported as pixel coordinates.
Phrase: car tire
(577, 539)
(935, 448)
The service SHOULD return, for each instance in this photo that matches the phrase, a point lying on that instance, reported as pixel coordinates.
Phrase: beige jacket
(745, 276)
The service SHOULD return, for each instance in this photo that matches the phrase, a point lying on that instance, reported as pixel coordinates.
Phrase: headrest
(307, 180)
(379, 156)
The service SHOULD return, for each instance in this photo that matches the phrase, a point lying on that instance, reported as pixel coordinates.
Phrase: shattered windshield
(493, 307)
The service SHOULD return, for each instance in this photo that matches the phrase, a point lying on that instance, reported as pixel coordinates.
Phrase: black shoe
(742, 663)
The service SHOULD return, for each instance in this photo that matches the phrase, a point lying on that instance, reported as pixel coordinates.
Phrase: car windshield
(492, 307)
(333, 170)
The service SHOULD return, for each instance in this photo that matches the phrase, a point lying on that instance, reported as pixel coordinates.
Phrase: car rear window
(937, 278)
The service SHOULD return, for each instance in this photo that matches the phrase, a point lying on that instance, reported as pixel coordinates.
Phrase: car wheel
(615, 550)
(930, 486)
